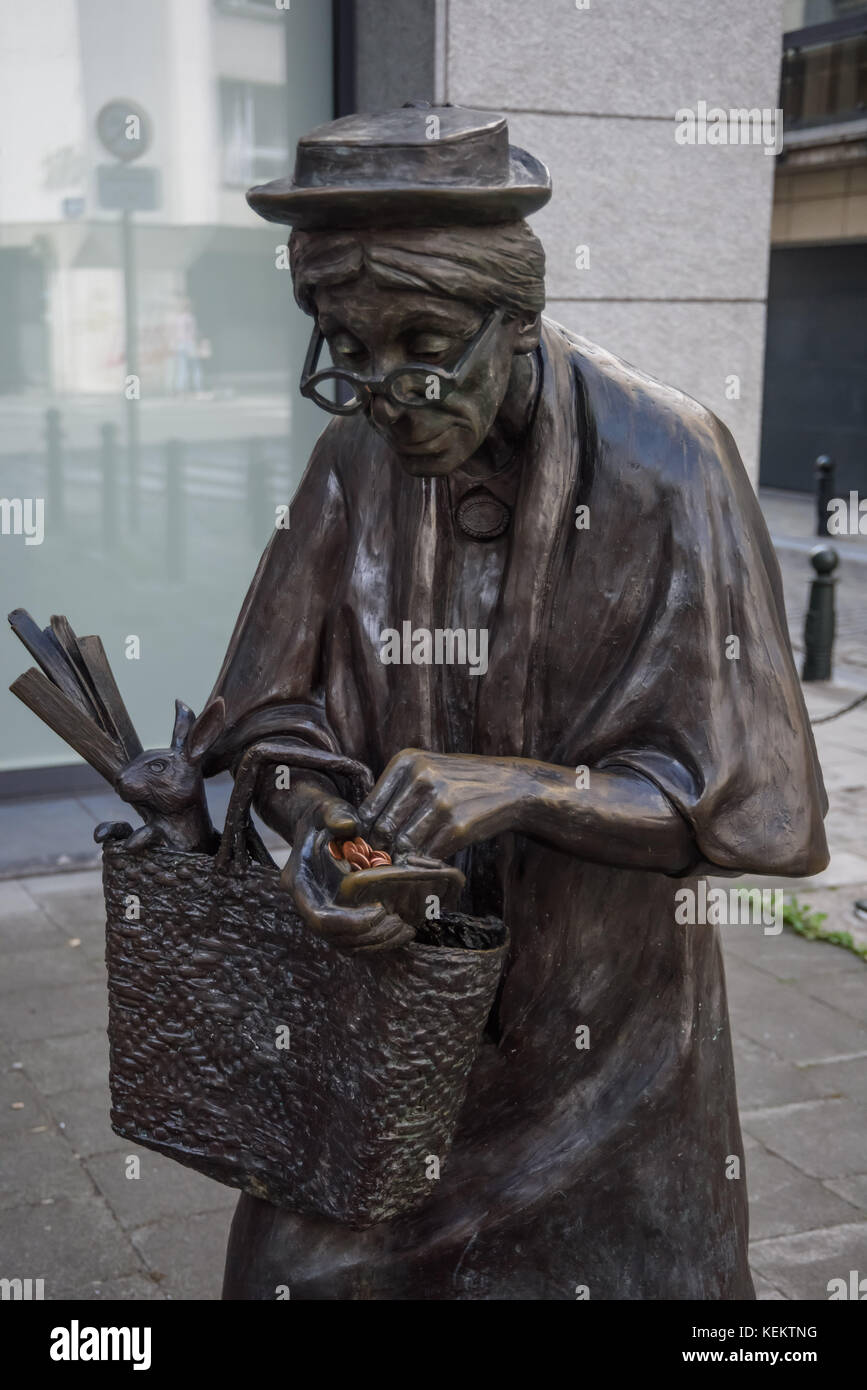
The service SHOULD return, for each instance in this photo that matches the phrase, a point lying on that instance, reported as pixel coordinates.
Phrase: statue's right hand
(367, 928)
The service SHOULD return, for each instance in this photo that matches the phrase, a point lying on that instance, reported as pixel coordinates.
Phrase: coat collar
(510, 698)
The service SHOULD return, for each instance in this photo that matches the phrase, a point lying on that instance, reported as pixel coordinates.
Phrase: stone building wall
(676, 235)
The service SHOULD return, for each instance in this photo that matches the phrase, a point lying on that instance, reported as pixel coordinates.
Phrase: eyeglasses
(415, 384)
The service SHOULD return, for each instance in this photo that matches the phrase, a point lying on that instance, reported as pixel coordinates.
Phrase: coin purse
(414, 887)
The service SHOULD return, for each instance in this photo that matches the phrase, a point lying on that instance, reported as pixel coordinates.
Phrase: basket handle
(240, 840)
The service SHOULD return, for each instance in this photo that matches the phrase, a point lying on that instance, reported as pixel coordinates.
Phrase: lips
(419, 446)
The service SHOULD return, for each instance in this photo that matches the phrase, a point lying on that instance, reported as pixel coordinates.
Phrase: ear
(184, 720)
(528, 331)
(206, 730)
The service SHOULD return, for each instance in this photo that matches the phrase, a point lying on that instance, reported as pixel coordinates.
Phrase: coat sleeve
(272, 678)
(709, 706)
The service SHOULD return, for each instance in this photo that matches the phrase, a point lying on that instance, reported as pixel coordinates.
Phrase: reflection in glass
(161, 457)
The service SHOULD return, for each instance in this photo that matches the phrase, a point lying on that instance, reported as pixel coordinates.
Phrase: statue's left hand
(437, 803)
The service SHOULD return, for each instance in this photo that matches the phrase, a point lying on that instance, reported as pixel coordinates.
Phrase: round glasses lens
(338, 395)
(417, 388)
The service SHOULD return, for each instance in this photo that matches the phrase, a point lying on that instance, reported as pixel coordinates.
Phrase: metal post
(108, 460)
(54, 466)
(343, 24)
(819, 622)
(131, 354)
(824, 467)
(175, 510)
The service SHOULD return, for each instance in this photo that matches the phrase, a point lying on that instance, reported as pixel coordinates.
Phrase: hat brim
(527, 189)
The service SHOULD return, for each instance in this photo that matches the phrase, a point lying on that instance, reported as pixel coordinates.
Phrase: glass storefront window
(800, 14)
(150, 347)
(825, 83)
(253, 123)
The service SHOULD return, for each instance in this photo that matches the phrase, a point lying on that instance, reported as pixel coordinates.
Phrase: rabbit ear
(206, 730)
(184, 721)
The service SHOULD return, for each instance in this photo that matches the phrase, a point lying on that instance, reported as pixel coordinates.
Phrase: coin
(358, 854)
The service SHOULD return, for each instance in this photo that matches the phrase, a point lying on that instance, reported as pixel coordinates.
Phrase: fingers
(414, 813)
(417, 830)
(404, 796)
(340, 818)
(362, 929)
(359, 774)
(398, 772)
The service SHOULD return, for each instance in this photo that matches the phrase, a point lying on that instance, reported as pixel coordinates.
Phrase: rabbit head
(170, 779)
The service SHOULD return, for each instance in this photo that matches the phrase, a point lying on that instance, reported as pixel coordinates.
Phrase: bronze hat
(418, 165)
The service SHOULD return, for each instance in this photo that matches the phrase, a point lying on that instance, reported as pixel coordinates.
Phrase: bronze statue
(526, 618)
(486, 470)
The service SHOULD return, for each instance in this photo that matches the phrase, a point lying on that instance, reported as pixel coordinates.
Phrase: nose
(385, 412)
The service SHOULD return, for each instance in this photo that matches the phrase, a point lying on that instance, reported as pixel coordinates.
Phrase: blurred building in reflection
(212, 78)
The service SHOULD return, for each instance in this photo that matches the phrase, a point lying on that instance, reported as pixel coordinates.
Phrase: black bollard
(175, 510)
(824, 468)
(54, 466)
(109, 463)
(819, 623)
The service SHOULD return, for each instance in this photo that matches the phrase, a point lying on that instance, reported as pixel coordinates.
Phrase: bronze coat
(602, 1167)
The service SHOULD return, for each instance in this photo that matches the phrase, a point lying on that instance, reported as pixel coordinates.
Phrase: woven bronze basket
(207, 971)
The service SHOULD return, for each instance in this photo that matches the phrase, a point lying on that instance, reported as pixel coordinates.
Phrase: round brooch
(482, 516)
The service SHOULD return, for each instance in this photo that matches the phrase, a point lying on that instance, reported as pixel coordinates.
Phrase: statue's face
(371, 330)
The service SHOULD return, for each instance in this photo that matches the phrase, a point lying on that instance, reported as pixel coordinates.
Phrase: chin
(438, 458)
(429, 465)
(435, 463)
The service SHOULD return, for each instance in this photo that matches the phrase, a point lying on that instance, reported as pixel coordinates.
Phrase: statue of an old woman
(626, 718)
